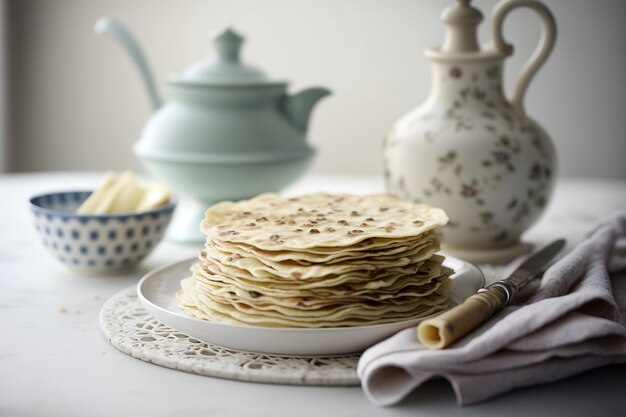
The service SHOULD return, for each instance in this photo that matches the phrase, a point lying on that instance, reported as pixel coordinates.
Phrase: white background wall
(77, 103)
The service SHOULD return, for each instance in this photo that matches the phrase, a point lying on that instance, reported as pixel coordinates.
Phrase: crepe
(319, 220)
(318, 260)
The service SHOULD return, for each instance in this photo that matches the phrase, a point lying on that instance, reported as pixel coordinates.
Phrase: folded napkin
(572, 323)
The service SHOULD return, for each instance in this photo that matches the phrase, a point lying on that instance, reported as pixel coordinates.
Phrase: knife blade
(531, 268)
(444, 329)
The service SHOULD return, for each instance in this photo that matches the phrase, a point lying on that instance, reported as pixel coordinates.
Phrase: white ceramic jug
(470, 150)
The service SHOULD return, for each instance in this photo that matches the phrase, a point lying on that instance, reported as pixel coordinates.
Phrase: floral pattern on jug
(470, 151)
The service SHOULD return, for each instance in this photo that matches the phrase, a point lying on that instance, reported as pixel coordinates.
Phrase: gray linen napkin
(572, 323)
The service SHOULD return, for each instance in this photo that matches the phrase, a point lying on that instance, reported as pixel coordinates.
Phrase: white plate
(157, 292)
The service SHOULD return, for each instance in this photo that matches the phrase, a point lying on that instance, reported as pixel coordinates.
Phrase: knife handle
(444, 329)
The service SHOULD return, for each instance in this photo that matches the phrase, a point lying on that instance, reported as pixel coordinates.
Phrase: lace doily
(131, 329)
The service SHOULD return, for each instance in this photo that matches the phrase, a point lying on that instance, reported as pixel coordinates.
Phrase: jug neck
(459, 81)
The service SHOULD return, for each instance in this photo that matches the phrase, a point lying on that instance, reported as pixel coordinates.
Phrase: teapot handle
(539, 56)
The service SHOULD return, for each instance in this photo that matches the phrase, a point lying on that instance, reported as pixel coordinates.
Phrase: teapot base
(489, 256)
(185, 224)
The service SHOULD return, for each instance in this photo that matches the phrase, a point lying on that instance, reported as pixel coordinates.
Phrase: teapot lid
(226, 68)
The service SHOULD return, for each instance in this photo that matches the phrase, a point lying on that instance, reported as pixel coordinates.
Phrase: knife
(444, 329)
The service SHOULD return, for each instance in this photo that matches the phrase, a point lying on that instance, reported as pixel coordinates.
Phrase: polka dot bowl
(97, 244)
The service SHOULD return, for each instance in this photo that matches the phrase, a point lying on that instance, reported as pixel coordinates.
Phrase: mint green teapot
(227, 132)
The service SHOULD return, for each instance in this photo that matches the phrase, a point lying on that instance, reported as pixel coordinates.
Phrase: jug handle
(538, 57)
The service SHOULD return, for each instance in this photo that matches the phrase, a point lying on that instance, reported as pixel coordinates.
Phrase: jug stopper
(461, 20)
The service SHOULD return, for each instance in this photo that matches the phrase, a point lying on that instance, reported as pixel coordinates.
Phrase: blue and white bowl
(97, 243)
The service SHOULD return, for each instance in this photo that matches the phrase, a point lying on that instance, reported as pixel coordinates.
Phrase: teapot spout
(297, 107)
(117, 31)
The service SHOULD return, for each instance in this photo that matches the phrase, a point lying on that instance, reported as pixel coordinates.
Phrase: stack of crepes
(318, 260)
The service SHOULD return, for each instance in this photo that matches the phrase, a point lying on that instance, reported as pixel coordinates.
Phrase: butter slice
(123, 194)
(154, 196)
(89, 206)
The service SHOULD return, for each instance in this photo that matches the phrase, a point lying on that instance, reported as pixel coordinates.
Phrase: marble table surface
(55, 363)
